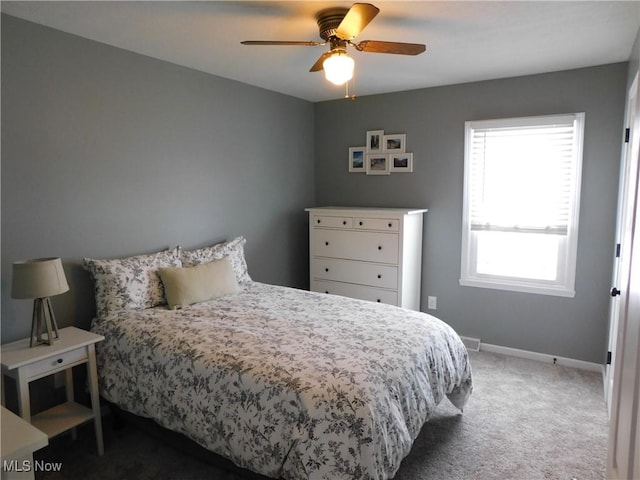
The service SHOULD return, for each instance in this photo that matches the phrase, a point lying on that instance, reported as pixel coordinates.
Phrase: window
(521, 199)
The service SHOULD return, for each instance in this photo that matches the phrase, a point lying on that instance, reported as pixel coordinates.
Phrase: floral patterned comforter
(285, 382)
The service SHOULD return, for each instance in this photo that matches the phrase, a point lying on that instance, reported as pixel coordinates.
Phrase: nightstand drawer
(61, 361)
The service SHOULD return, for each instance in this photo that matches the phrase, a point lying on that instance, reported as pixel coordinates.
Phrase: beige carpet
(526, 420)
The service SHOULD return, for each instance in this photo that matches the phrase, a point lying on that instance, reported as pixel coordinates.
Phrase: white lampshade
(338, 68)
(38, 278)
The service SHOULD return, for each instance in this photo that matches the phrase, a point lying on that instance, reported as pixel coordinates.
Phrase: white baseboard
(541, 357)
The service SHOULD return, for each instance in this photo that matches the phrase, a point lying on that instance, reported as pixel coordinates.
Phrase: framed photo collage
(382, 155)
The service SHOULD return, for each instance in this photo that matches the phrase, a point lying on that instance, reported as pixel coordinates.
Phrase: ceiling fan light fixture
(338, 27)
(338, 68)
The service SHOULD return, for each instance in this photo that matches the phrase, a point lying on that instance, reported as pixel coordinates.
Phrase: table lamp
(40, 279)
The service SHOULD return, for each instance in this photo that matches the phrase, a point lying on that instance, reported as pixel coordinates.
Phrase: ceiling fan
(338, 27)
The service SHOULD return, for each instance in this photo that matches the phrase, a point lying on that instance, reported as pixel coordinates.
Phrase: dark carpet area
(526, 420)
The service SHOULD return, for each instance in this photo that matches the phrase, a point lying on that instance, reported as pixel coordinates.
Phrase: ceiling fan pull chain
(353, 88)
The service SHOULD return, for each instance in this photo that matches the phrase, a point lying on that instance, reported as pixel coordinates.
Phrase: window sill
(557, 291)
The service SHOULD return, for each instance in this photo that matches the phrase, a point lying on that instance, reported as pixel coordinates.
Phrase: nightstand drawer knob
(60, 360)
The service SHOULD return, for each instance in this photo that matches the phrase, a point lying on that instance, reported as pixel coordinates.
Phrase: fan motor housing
(329, 20)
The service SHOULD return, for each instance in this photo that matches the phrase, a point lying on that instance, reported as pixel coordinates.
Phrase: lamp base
(43, 321)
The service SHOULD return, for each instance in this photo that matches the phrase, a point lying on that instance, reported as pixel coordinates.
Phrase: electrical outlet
(432, 303)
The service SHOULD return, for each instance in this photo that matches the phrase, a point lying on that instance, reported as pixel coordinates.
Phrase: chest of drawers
(367, 253)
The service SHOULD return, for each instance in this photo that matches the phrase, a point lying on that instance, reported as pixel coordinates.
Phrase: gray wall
(433, 120)
(106, 153)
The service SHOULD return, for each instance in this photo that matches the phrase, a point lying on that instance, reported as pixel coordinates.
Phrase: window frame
(564, 285)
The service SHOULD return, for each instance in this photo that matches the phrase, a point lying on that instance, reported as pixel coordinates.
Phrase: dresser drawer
(57, 362)
(375, 275)
(355, 291)
(382, 224)
(324, 221)
(353, 245)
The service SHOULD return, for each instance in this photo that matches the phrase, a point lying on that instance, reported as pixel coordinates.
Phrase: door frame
(624, 216)
(623, 460)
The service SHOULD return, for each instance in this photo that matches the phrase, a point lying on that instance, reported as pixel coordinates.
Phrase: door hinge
(627, 132)
(608, 358)
(617, 250)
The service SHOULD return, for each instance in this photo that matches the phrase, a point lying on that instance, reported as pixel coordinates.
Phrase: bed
(284, 382)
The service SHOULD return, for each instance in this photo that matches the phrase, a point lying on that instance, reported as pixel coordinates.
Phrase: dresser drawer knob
(60, 360)
(378, 300)
(360, 223)
(390, 224)
(379, 247)
(326, 243)
(379, 276)
(344, 222)
(318, 221)
(326, 291)
(326, 269)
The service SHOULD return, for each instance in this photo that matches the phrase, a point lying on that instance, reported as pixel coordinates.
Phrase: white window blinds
(522, 173)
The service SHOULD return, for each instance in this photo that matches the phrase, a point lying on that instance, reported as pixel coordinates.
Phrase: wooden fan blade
(375, 46)
(318, 65)
(275, 42)
(356, 19)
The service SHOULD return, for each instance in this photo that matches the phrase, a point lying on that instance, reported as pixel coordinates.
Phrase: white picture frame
(357, 160)
(401, 162)
(394, 143)
(378, 164)
(374, 141)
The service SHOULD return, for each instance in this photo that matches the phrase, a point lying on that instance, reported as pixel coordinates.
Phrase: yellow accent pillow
(189, 285)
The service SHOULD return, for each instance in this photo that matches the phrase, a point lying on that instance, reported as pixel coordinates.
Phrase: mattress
(284, 382)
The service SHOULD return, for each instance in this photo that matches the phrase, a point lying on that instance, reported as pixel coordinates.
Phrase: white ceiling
(466, 41)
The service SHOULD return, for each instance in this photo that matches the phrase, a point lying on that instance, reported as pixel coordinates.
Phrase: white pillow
(189, 285)
(131, 283)
(233, 249)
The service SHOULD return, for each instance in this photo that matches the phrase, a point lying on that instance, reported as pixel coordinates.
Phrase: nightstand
(19, 440)
(25, 364)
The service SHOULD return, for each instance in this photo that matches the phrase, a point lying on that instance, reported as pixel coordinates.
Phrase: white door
(626, 196)
(624, 433)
